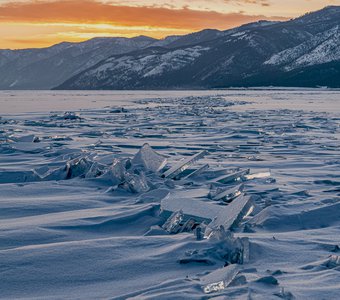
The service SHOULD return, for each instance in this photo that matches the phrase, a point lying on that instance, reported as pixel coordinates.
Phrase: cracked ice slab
(183, 165)
(219, 279)
(229, 194)
(232, 215)
(191, 208)
(197, 171)
(232, 177)
(228, 216)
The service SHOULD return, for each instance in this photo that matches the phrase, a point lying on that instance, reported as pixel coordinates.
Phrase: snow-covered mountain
(319, 49)
(47, 67)
(300, 52)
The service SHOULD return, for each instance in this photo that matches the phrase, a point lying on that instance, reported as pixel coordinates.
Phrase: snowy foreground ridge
(170, 198)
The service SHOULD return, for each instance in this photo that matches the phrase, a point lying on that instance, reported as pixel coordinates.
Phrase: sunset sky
(40, 23)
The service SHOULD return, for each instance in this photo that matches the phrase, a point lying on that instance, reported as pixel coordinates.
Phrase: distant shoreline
(262, 88)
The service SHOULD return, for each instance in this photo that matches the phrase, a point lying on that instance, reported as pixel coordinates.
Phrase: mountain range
(302, 52)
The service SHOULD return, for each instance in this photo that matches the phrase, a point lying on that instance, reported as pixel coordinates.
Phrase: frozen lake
(14, 102)
(71, 227)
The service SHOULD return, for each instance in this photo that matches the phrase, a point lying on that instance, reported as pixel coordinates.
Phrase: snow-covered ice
(248, 207)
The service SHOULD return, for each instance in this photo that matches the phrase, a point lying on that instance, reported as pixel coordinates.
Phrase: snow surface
(68, 236)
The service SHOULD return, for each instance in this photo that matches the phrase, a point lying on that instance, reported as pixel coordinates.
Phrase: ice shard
(228, 194)
(214, 287)
(55, 174)
(191, 208)
(198, 231)
(257, 175)
(246, 250)
(188, 226)
(18, 176)
(172, 225)
(283, 294)
(231, 215)
(28, 138)
(135, 183)
(333, 261)
(149, 159)
(74, 168)
(233, 250)
(117, 171)
(69, 115)
(77, 167)
(237, 176)
(220, 279)
(30, 147)
(96, 170)
(183, 165)
(197, 172)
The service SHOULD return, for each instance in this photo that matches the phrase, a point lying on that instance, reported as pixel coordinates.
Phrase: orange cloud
(87, 11)
(40, 23)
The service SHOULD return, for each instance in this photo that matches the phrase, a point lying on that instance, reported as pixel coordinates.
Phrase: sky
(41, 23)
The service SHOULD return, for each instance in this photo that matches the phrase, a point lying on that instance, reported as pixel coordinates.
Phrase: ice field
(230, 194)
